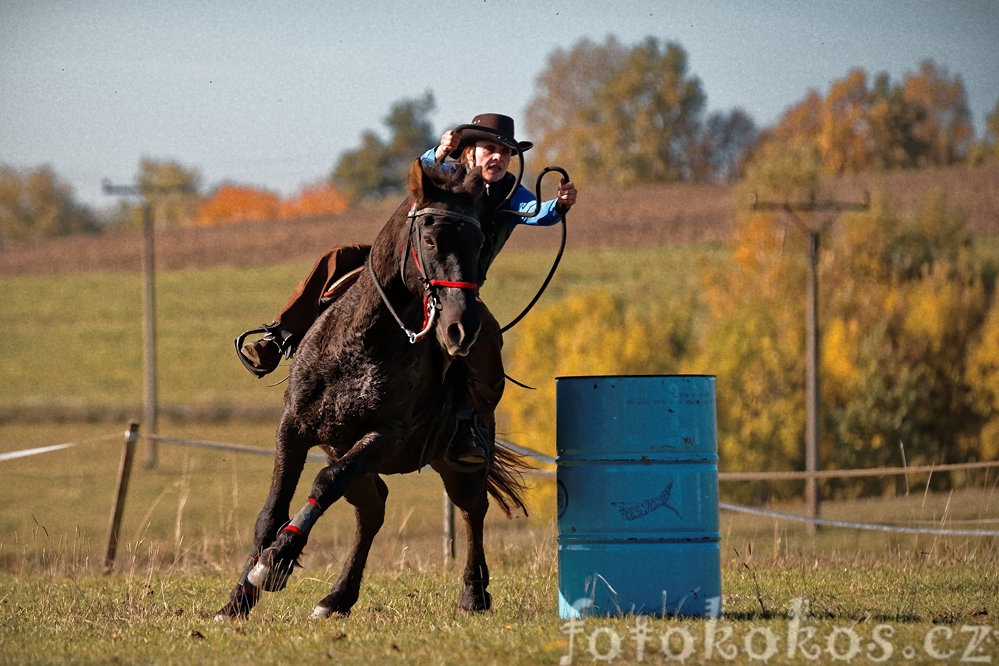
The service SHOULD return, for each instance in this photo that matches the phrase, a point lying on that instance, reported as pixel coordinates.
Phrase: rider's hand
(565, 198)
(450, 141)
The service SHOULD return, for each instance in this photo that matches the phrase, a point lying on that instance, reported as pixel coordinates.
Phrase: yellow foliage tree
(596, 333)
(908, 302)
(983, 380)
(924, 121)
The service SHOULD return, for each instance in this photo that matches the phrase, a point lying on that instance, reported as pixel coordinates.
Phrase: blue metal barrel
(637, 496)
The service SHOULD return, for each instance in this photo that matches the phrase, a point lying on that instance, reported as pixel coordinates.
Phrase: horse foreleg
(368, 498)
(276, 562)
(468, 492)
(289, 459)
(243, 597)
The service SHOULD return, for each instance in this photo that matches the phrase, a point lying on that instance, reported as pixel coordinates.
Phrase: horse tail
(505, 482)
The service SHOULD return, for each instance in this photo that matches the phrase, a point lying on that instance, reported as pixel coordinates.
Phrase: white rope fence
(850, 473)
(24, 453)
(856, 526)
(132, 436)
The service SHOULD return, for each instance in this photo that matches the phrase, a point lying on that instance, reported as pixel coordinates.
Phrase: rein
(558, 257)
(431, 301)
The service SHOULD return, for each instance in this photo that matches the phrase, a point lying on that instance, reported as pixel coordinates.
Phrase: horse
(379, 401)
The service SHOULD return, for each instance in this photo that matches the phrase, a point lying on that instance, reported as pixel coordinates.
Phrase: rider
(487, 142)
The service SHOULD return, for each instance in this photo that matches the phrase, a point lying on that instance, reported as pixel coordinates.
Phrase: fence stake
(131, 437)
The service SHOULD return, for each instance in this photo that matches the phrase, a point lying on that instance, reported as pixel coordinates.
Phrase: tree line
(612, 114)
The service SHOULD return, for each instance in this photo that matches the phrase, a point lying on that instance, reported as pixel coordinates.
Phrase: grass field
(188, 523)
(71, 373)
(74, 344)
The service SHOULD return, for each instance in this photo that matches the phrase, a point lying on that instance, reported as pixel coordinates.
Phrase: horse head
(443, 240)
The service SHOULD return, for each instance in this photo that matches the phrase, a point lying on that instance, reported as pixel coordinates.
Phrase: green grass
(74, 343)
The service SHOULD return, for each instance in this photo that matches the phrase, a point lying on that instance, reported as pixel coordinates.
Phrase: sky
(270, 94)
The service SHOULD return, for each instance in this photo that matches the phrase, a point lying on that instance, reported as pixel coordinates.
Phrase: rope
(23, 453)
(524, 451)
(857, 526)
(217, 446)
(727, 506)
(850, 473)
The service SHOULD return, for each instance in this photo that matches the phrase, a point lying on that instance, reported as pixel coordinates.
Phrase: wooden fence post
(131, 437)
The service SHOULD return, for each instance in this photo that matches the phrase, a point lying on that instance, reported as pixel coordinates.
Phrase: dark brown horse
(380, 399)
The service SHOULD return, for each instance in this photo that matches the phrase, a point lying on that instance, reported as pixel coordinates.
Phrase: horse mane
(427, 184)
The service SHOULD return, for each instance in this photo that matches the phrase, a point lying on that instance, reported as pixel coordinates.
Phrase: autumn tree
(906, 356)
(170, 189)
(844, 136)
(237, 203)
(909, 301)
(319, 199)
(35, 204)
(635, 120)
(944, 124)
(983, 382)
(597, 332)
(244, 203)
(860, 125)
(720, 149)
(565, 88)
(378, 167)
(988, 148)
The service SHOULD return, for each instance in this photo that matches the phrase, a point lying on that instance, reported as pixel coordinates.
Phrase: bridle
(431, 299)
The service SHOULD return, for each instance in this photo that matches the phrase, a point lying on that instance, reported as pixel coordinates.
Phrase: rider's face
(494, 158)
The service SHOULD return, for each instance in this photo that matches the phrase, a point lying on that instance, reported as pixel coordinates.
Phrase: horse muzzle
(459, 322)
(457, 337)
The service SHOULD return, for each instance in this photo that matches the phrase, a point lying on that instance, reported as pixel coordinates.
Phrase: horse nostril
(456, 334)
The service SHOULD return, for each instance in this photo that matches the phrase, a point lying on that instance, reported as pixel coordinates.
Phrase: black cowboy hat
(490, 127)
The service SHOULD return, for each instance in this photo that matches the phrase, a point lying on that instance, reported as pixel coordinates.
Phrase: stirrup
(285, 344)
(478, 430)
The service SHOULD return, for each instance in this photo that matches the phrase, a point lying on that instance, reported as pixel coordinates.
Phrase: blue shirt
(498, 228)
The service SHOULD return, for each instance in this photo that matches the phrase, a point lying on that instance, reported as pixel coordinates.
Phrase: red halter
(436, 283)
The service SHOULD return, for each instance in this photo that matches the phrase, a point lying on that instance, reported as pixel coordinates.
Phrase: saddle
(337, 289)
(285, 340)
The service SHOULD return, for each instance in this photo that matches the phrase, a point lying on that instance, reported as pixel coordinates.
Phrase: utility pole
(812, 353)
(149, 400)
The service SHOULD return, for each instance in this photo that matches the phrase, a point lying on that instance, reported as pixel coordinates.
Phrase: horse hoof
(270, 581)
(230, 614)
(320, 613)
(476, 602)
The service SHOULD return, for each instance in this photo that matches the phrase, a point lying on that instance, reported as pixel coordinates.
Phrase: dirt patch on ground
(640, 216)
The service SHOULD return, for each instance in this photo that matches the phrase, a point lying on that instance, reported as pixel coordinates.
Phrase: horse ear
(418, 180)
